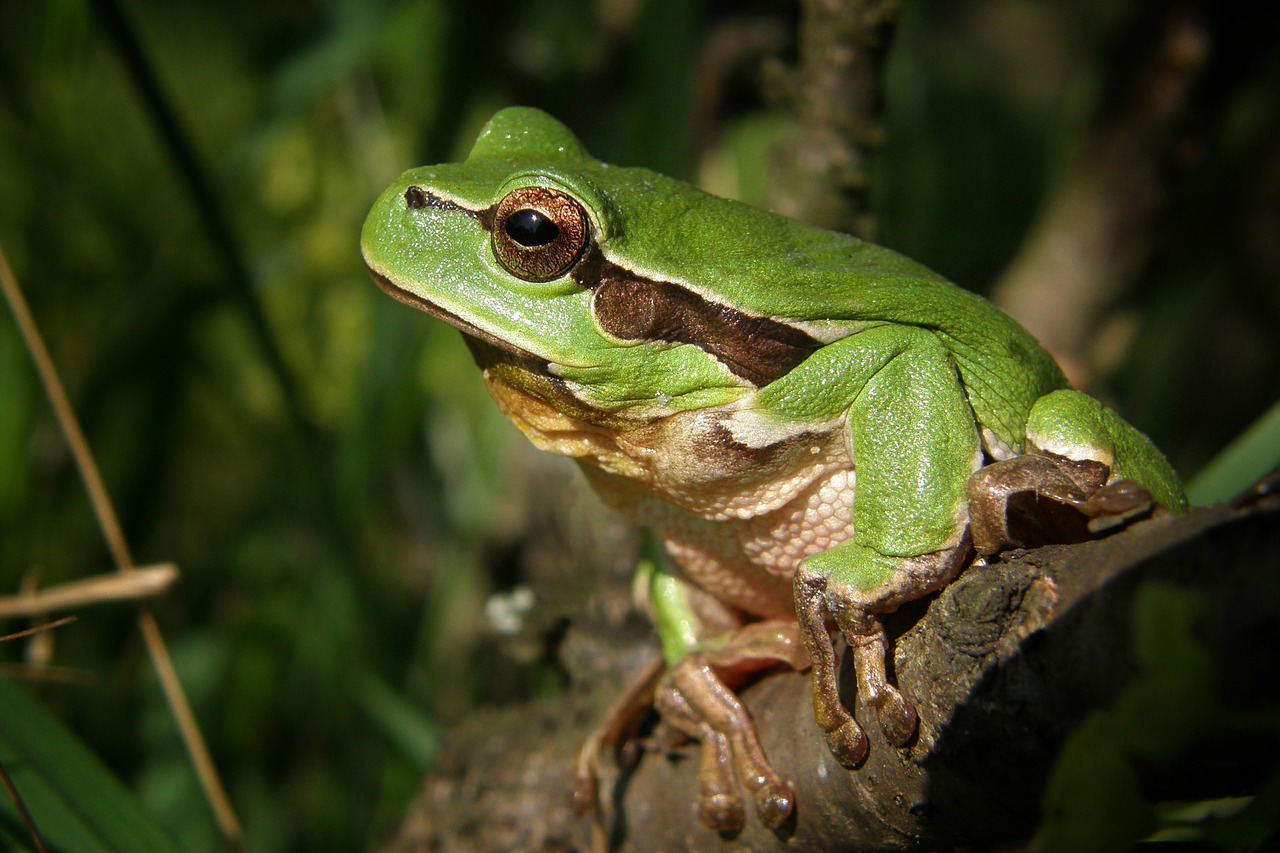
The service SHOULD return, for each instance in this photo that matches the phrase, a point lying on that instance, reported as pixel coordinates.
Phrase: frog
(814, 428)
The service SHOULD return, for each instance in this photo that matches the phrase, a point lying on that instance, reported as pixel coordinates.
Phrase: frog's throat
(521, 385)
(472, 332)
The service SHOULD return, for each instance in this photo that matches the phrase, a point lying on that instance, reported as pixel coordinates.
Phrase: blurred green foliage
(341, 513)
(1094, 800)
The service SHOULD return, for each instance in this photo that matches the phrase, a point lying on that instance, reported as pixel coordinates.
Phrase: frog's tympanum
(817, 429)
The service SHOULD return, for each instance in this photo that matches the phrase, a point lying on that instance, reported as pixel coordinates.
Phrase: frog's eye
(538, 233)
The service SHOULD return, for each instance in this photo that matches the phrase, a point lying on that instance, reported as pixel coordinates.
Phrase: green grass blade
(75, 802)
(1255, 453)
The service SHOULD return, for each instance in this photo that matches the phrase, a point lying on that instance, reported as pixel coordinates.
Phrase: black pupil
(531, 229)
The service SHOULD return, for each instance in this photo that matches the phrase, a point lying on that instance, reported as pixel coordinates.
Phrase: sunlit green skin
(912, 384)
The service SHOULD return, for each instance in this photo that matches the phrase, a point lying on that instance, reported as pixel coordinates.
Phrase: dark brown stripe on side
(757, 349)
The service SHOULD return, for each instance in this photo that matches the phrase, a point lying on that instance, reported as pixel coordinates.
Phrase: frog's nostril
(417, 198)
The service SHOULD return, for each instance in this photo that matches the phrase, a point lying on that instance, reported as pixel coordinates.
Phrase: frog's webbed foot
(616, 731)
(823, 594)
(1041, 499)
(696, 698)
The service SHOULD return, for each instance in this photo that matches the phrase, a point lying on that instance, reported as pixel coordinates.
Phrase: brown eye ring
(539, 232)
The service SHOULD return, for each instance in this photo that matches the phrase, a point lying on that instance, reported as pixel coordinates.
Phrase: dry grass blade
(41, 672)
(22, 809)
(117, 544)
(47, 626)
(141, 582)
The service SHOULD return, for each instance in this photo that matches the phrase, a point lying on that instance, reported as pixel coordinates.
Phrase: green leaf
(75, 802)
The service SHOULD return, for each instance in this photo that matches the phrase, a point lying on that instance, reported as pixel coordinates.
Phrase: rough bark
(1004, 664)
(822, 169)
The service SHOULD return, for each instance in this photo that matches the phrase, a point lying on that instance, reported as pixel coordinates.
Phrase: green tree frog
(816, 429)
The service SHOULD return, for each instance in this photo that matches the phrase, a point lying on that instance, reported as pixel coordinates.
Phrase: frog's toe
(774, 802)
(720, 806)
(898, 718)
(848, 744)
(1116, 504)
(722, 811)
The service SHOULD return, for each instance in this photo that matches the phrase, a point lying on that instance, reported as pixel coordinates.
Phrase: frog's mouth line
(480, 339)
(489, 352)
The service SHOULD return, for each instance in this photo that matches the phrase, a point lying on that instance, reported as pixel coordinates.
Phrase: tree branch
(1004, 664)
(822, 167)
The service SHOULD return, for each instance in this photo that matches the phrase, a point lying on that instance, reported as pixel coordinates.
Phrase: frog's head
(575, 277)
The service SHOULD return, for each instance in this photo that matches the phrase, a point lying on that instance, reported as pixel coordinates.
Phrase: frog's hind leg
(616, 730)
(1035, 500)
(1071, 425)
(697, 699)
(1085, 471)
